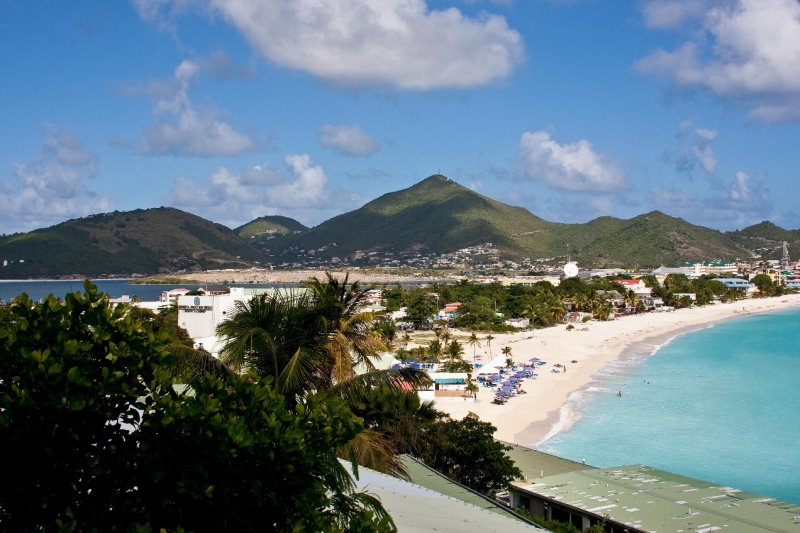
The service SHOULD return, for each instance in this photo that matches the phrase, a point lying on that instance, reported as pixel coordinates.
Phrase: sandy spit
(260, 276)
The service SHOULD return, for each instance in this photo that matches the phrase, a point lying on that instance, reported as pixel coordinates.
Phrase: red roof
(629, 281)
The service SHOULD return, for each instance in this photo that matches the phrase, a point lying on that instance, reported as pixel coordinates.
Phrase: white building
(635, 285)
(200, 315)
(172, 295)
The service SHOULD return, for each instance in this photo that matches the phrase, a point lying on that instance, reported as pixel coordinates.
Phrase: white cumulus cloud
(572, 167)
(347, 140)
(745, 201)
(358, 43)
(233, 198)
(51, 187)
(180, 129)
(754, 54)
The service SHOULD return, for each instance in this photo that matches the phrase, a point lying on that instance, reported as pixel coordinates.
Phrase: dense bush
(94, 437)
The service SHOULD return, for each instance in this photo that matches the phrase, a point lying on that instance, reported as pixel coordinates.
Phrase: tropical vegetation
(95, 437)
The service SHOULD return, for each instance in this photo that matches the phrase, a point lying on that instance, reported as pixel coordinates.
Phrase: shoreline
(549, 405)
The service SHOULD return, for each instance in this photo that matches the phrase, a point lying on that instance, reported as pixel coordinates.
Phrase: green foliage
(402, 220)
(393, 299)
(233, 457)
(556, 527)
(257, 229)
(149, 240)
(420, 306)
(477, 310)
(70, 373)
(94, 437)
(465, 450)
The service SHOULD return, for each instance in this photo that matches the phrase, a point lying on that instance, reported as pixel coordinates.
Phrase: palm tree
(471, 389)
(580, 301)
(509, 360)
(489, 340)
(435, 349)
(446, 335)
(631, 299)
(314, 342)
(474, 342)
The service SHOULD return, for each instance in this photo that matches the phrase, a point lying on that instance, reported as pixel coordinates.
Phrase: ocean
(720, 404)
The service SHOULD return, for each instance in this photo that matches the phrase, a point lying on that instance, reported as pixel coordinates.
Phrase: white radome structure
(570, 270)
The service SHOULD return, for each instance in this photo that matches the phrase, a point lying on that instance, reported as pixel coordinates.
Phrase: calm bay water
(720, 404)
(114, 287)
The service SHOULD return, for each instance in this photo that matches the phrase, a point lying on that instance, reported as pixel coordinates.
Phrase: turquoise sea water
(738, 425)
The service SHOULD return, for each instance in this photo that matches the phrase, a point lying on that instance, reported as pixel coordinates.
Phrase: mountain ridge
(436, 215)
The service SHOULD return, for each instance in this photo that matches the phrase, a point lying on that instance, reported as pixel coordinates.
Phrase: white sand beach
(530, 418)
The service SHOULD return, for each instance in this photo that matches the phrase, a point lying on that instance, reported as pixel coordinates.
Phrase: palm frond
(193, 363)
(355, 388)
(374, 450)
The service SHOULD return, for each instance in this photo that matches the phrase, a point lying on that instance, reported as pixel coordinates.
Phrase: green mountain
(141, 241)
(269, 226)
(438, 215)
(766, 239)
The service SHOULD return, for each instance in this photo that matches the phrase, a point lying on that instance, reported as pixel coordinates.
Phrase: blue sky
(233, 109)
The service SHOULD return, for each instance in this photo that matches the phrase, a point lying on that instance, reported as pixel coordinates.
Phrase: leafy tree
(489, 339)
(233, 457)
(385, 327)
(95, 437)
(420, 306)
(465, 450)
(393, 299)
(766, 287)
(70, 373)
(476, 311)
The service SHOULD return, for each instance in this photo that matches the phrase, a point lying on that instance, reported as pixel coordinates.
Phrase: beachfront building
(446, 386)
(738, 284)
(639, 499)
(635, 285)
(519, 323)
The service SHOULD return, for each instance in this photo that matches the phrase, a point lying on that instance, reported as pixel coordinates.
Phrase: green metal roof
(653, 500)
(534, 463)
(430, 479)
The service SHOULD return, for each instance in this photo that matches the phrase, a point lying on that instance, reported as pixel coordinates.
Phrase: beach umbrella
(415, 360)
(534, 359)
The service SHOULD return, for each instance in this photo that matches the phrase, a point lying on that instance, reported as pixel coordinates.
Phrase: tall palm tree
(316, 342)
(631, 299)
(489, 340)
(474, 342)
(446, 335)
(435, 350)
